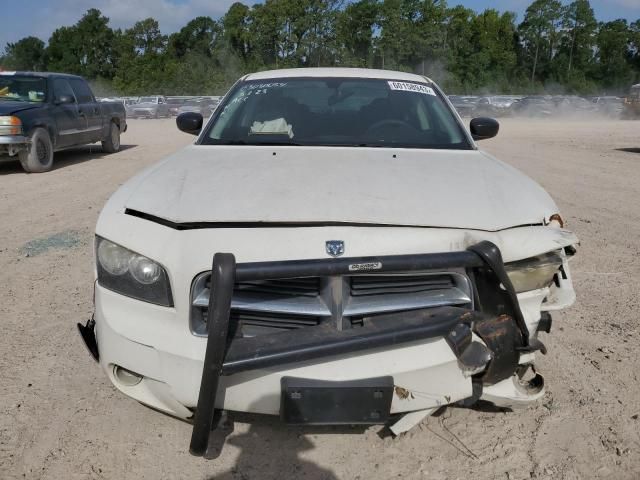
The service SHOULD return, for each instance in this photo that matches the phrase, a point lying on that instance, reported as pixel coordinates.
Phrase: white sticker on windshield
(411, 87)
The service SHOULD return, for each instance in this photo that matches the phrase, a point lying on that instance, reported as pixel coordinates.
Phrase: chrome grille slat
(260, 302)
(275, 321)
(275, 305)
(298, 286)
(363, 285)
(398, 302)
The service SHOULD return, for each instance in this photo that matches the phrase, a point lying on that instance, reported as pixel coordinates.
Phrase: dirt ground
(61, 419)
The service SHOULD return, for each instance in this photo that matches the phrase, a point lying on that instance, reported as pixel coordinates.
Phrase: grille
(269, 306)
(385, 285)
(307, 287)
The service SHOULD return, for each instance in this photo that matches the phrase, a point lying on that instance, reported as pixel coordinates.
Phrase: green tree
(144, 65)
(458, 43)
(635, 47)
(494, 57)
(400, 36)
(614, 55)
(237, 34)
(539, 32)
(25, 54)
(464, 50)
(85, 48)
(355, 28)
(579, 25)
(201, 36)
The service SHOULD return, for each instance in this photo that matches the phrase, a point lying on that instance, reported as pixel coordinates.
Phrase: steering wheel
(390, 122)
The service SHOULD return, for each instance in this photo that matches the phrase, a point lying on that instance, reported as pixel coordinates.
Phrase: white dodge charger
(334, 249)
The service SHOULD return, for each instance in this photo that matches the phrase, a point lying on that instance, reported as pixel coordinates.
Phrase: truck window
(62, 87)
(82, 90)
(22, 88)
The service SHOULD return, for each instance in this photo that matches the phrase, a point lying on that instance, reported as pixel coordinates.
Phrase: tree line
(558, 47)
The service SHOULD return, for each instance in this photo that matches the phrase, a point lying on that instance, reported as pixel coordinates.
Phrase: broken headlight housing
(132, 274)
(535, 272)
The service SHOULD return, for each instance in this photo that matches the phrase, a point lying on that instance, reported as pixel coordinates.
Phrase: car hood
(145, 105)
(326, 185)
(8, 107)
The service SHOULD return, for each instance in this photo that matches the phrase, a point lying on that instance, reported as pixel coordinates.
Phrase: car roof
(338, 73)
(39, 74)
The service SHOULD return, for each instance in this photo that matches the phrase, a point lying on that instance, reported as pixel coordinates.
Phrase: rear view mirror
(189, 122)
(64, 99)
(482, 128)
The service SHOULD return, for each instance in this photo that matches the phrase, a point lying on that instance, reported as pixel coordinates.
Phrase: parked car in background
(41, 113)
(305, 257)
(609, 106)
(465, 105)
(495, 106)
(174, 103)
(203, 106)
(573, 105)
(150, 107)
(534, 106)
(631, 105)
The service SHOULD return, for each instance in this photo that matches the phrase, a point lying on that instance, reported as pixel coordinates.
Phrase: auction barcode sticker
(411, 87)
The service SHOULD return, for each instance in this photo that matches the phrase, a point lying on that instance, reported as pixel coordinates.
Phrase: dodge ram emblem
(335, 248)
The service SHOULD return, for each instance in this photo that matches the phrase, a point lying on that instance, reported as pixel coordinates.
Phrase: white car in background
(333, 249)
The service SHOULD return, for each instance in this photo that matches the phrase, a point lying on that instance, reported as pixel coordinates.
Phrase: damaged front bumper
(410, 361)
(12, 145)
(501, 328)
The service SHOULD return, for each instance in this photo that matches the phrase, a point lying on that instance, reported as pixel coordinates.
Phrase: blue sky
(21, 18)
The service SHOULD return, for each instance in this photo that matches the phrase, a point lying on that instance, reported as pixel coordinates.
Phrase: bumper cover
(484, 258)
(498, 322)
(14, 140)
(11, 145)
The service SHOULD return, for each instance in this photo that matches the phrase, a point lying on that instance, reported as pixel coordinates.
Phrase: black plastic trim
(202, 225)
(320, 402)
(88, 335)
(222, 279)
(490, 254)
(325, 340)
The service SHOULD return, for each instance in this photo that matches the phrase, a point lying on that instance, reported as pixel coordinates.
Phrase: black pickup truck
(41, 113)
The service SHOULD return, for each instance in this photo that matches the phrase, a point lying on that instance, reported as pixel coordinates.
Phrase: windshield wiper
(12, 99)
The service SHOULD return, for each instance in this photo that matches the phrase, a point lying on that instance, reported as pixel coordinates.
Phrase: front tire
(39, 157)
(112, 143)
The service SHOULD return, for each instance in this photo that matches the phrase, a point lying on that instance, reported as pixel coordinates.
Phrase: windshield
(336, 112)
(149, 100)
(23, 88)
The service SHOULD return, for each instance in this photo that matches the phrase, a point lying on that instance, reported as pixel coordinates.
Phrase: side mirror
(189, 122)
(482, 128)
(64, 100)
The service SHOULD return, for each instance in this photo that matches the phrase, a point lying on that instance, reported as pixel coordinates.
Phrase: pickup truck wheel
(39, 157)
(112, 143)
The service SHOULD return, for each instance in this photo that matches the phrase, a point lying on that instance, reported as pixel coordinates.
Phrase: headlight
(132, 274)
(10, 126)
(535, 272)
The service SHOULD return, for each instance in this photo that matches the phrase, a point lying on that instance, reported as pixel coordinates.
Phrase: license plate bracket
(319, 402)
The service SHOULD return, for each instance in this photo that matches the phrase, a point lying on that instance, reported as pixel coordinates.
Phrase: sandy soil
(61, 419)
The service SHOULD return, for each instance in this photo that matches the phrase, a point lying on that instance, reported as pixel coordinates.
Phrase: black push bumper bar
(496, 309)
